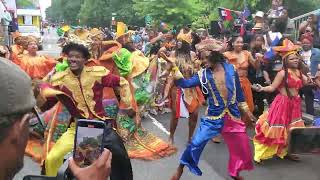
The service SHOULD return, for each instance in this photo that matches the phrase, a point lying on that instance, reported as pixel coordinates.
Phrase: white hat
(259, 14)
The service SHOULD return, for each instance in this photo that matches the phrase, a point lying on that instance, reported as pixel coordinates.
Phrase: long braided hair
(183, 55)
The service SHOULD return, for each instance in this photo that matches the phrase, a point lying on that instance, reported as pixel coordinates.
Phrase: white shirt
(306, 56)
(273, 36)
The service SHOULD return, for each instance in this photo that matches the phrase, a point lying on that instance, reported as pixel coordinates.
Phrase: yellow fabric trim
(125, 92)
(140, 63)
(243, 106)
(83, 96)
(263, 152)
(176, 73)
(89, 77)
(216, 103)
(222, 115)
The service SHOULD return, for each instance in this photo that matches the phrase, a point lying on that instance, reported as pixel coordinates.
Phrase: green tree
(170, 11)
(70, 11)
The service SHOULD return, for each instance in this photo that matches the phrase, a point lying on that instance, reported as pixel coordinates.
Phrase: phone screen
(88, 142)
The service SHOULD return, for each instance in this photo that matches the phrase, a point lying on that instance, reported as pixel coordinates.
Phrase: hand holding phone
(88, 142)
(100, 169)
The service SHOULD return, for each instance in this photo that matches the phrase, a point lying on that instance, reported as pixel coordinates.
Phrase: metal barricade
(298, 20)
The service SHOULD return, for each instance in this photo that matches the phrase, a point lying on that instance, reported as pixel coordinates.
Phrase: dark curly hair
(216, 57)
(77, 47)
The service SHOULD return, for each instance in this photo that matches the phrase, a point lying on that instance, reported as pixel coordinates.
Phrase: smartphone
(304, 140)
(88, 142)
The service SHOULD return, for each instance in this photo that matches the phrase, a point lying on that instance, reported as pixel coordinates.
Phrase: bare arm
(275, 84)
(266, 77)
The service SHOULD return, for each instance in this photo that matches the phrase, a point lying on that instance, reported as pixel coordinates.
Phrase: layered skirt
(273, 127)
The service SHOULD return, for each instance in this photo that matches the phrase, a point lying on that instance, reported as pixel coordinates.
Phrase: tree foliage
(174, 12)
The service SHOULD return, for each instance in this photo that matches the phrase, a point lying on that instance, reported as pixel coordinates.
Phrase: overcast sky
(44, 4)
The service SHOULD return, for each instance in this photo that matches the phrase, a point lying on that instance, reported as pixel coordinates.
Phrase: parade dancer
(242, 60)
(191, 98)
(273, 127)
(35, 65)
(80, 89)
(220, 82)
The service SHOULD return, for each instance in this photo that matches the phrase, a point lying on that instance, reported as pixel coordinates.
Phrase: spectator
(311, 22)
(16, 107)
(256, 75)
(311, 60)
(276, 10)
(259, 26)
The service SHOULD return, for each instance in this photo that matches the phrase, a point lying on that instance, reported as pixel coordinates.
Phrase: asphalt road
(213, 161)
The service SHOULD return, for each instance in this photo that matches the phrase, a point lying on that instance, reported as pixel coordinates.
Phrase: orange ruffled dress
(37, 67)
(273, 126)
(242, 69)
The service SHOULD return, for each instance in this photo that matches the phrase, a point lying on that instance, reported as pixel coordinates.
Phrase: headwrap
(73, 38)
(286, 49)
(139, 63)
(123, 62)
(97, 34)
(210, 45)
(125, 38)
(108, 48)
(185, 37)
(83, 34)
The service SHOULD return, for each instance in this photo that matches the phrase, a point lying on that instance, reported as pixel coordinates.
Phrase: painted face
(32, 47)
(293, 61)
(238, 44)
(76, 60)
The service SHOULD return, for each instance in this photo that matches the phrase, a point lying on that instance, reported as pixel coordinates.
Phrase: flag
(246, 12)
(270, 53)
(227, 14)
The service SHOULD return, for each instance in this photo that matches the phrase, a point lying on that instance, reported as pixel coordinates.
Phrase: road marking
(158, 124)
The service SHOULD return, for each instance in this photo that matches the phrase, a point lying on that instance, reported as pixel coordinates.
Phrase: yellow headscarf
(185, 37)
